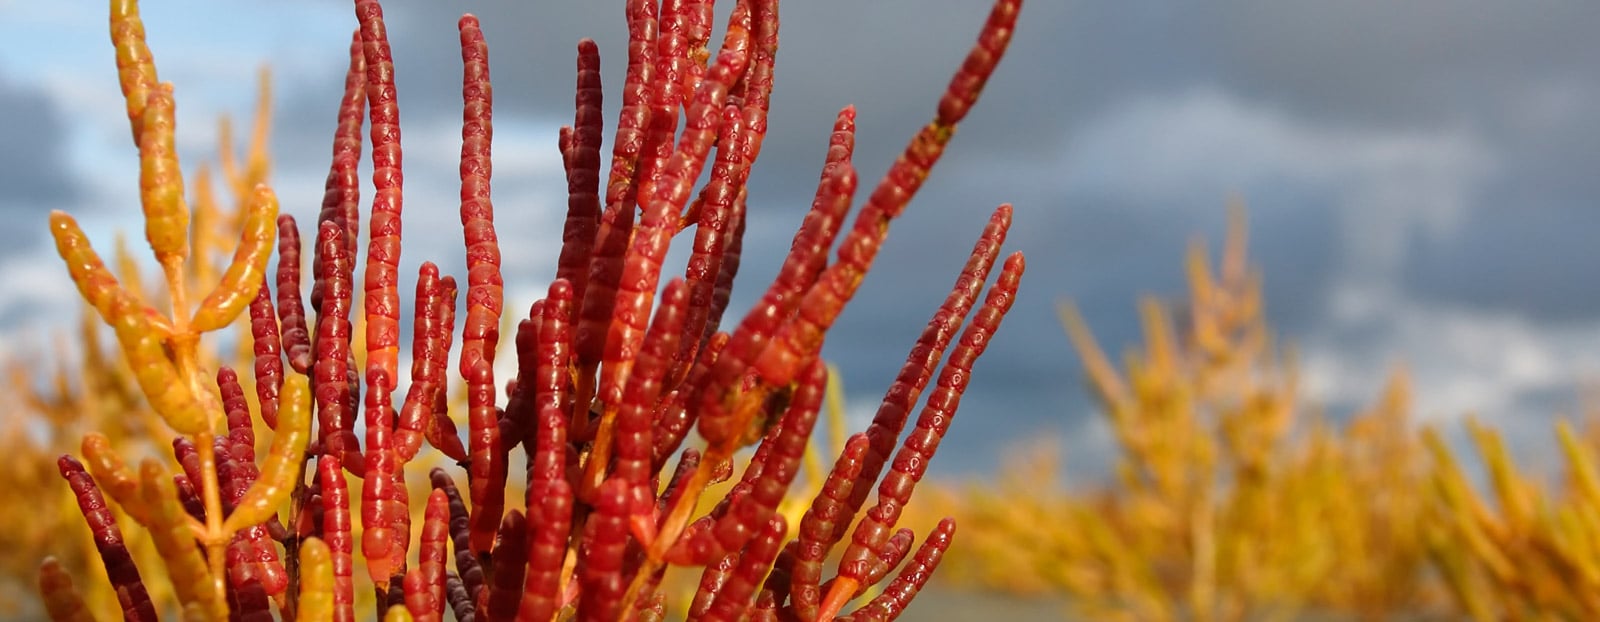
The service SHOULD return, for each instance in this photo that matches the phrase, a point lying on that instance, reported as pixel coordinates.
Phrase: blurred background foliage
(1231, 500)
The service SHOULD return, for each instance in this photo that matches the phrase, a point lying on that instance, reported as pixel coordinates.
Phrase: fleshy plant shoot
(615, 365)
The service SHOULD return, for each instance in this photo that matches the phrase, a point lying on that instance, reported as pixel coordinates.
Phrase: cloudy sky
(1420, 175)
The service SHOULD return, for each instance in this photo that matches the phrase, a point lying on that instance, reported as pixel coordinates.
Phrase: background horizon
(1419, 178)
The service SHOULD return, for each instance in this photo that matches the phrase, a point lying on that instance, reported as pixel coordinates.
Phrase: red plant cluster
(609, 382)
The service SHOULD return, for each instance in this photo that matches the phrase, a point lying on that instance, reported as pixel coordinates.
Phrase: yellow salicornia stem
(183, 342)
(232, 293)
(151, 114)
(397, 613)
(171, 535)
(316, 581)
(278, 473)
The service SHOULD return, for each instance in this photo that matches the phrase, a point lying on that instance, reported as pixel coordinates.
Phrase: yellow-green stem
(216, 541)
(184, 344)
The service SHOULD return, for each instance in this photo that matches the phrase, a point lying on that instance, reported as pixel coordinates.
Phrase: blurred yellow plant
(1230, 501)
(1532, 554)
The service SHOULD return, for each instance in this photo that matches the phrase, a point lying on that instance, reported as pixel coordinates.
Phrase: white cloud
(1515, 374)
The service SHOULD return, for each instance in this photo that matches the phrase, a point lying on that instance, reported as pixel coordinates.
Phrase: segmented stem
(642, 265)
(383, 248)
(282, 466)
(725, 409)
(510, 562)
(429, 361)
(291, 311)
(582, 158)
(894, 599)
(336, 534)
(341, 198)
(136, 67)
(485, 303)
(441, 429)
(166, 215)
(925, 354)
(549, 521)
(317, 583)
(552, 403)
(857, 567)
(113, 475)
(335, 404)
(108, 540)
(61, 599)
(632, 426)
(754, 562)
(249, 266)
(460, 602)
(710, 238)
(616, 223)
(767, 479)
(602, 578)
(471, 573)
(266, 345)
(174, 540)
(799, 341)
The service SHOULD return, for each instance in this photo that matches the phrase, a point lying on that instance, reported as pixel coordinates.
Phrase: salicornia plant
(609, 379)
(1231, 498)
(1529, 553)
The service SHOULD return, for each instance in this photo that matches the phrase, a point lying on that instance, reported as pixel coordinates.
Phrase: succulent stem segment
(613, 369)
